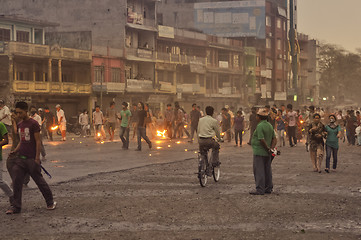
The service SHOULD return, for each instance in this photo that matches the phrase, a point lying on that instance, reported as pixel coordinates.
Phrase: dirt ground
(166, 202)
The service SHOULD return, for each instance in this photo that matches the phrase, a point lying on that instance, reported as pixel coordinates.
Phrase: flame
(54, 128)
(185, 126)
(161, 134)
(301, 121)
(178, 142)
(222, 134)
(99, 134)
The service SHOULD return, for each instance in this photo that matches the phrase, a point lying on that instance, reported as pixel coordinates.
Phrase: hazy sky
(333, 21)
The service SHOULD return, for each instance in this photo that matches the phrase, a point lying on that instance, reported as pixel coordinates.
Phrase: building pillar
(59, 71)
(43, 70)
(50, 72)
(34, 72)
(11, 72)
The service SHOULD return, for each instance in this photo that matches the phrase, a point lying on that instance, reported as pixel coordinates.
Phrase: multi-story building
(260, 24)
(39, 73)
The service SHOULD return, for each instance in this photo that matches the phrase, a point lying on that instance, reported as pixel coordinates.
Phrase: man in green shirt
(4, 140)
(125, 115)
(263, 140)
(208, 128)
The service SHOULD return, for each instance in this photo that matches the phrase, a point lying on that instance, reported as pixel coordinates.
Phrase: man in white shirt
(5, 116)
(292, 125)
(61, 121)
(98, 121)
(84, 122)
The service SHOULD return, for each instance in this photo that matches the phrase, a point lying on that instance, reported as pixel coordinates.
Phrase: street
(104, 192)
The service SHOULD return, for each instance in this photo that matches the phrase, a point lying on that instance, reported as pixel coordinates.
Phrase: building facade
(38, 73)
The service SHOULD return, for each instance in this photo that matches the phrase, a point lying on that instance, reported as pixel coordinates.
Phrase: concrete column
(15, 70)
(59, 71)
(32, 39)
(43, 69)
(34, 72)
(174, 78)
(50, 72)
(11, 72)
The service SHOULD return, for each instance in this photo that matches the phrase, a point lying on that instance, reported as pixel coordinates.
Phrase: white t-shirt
(98, 117)
(37, 118)
(292, 116)
(5, 111)
(83, 119)
(60, 114)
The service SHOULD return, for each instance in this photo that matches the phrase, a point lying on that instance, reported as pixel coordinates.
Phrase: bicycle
(207, 169)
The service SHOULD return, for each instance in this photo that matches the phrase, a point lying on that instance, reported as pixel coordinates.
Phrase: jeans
(351, 137)
(193, 129)
(262, 172)
(281, 135)
(3, 185)
(238, 133)
(207, 143)
(292, 135)
(125, 141)
(141, 133)
(330, 150)
(19, 168)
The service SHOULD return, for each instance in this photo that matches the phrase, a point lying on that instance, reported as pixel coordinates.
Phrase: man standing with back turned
(28, 160)
(263, 140)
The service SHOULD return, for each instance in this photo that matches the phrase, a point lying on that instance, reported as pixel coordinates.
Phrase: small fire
(185, 126)
(301, 121)
(99, 134)
(178, 142)
(161, 134)
(54, 128)
(222, 134)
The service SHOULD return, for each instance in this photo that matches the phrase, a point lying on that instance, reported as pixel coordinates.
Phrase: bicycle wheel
(202, 168)
(216, 173)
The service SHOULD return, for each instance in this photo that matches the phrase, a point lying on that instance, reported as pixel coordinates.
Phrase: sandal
(52, 206)
(13, 210)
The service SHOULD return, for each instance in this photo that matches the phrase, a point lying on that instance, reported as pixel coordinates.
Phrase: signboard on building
(165, 31)
(232, 18)
(280, 96)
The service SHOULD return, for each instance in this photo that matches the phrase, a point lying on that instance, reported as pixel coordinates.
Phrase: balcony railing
(135, 85)
(190, 88)
(109, 87)
(51, 87)
(178, 58)
(140, 53)
(167, 87)
(37, 50)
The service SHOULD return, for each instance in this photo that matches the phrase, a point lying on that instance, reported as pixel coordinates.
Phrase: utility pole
(293, 39)
(102, 73)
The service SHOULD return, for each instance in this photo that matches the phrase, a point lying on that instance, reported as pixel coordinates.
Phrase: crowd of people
(321, 130)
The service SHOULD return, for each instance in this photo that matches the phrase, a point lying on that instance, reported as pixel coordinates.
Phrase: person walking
(61, 121)
(49, 122)
(351, 124)
(317, 132)
(134, 119)
(263, 141)
(125, 116)
(281, 128)
(5, 116)
(111, 116)
(98, 121)
(291, 118)
(238, 128)
(4, 140)
(37, 118)
(84, 122)
(195, 115)
(333, 134)
(252, 123)
(141, 127)
(226, 124)
(168, 118)
(27, 160)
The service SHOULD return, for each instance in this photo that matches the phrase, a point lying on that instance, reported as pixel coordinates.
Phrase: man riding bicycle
(208, 129)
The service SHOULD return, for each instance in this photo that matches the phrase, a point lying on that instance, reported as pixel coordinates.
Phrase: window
(268, 42)
(4, 34)
(269, 63)
(116, 75)
(279, 64)
(236, 61)
(22, 36)
(279, 43)
(268, 21)
(98, 74)
(279, 85)
(279, 23)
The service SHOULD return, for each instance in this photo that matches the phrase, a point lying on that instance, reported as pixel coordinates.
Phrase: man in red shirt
(27, 160)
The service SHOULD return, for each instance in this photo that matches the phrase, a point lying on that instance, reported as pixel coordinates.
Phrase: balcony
(109, 87)
(135, 85)
(167, 87)
(139, 54)
(225, 92)
(190, 88)
(178, 58)
(45, 51)
(51, 87)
